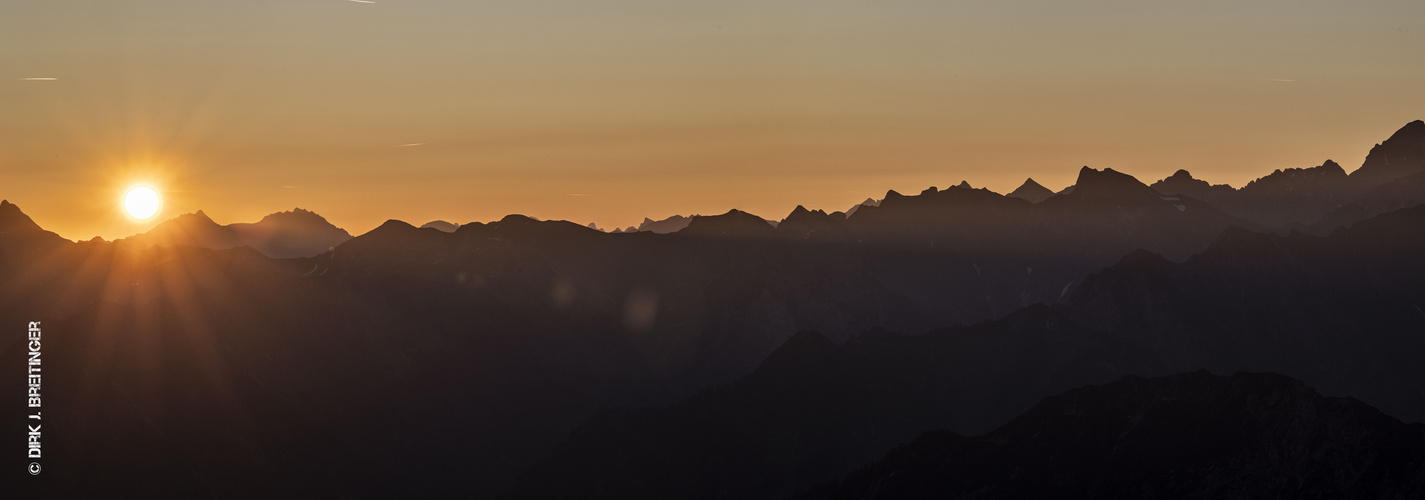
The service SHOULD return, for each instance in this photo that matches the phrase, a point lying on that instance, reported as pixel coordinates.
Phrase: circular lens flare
(141, 202)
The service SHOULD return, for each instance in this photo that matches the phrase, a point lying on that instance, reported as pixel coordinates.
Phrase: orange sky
(611, 111)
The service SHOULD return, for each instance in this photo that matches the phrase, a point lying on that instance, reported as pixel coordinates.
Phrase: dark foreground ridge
(1250, 435)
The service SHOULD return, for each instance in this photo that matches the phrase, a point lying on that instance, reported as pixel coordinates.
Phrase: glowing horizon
(610, 113)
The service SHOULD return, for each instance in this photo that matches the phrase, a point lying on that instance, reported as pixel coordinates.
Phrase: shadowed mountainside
(1196, 435)
(1341, 313)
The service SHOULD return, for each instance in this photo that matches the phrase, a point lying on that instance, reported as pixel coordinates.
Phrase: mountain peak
(194, 218)
(12, 220)
(1031, 191)
(1109, 183)
(394, 225)
(671, 224)
(733, 223)
(1400, 155)
(441, 225)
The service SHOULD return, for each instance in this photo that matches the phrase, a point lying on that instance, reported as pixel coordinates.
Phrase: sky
(616, 110)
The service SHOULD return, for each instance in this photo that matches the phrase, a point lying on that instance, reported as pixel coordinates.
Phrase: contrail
(44, 79)
(361, 1)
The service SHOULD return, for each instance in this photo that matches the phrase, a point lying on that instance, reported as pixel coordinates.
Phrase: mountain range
(549, 359)
(297, 233)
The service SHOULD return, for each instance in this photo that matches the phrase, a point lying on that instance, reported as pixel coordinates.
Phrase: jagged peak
(964, 185)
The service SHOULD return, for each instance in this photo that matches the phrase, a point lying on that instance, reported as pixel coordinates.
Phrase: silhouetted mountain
(812, 224)
(1401, 193)
(1296, 195)
(1031, 192)
(1198, 435)
(13, 221)
(1109, 214)
(1319, 198)
(870, 202)
(441, 225)
(670, 225)
(298, 233)
(733, 224)
(1401, 155)
(1182, 183)
(194, 229)
(21, 240)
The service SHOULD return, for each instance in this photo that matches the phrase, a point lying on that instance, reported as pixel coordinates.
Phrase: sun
(141, 202)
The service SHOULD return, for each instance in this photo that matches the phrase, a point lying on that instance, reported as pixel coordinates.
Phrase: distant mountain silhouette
(298, 233)
(1198, 435)
(870, 202)
(1183, 183)
(1324, 197)
(733, 224)
(1031, 192)
(441, 225)
(670, 225)
(813, 224)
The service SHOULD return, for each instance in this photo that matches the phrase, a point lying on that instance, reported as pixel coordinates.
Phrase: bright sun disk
(141, 202)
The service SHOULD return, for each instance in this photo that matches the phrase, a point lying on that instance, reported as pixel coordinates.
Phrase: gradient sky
(609, 111)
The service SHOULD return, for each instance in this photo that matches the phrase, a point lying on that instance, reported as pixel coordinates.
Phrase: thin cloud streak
(37, 79)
